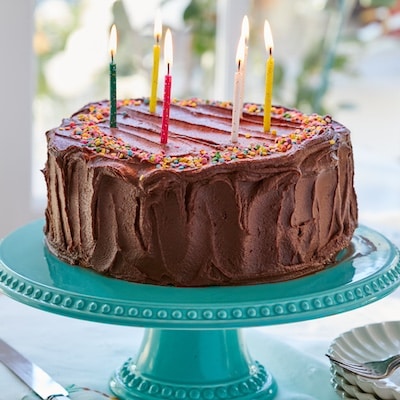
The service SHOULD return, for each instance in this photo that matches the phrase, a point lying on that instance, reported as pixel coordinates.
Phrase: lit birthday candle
(156, 62)
(237, 92)
(113, 78)
(269, 76)
(167, 87)
(245, 35)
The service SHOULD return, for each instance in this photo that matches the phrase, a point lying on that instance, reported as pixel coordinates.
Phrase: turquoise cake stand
(193, 347)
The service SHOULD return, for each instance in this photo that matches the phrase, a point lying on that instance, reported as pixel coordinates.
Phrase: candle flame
(245, 29)
(240, 51)
(269, 43)
(168, 49)
(113, 41)
(157, 27)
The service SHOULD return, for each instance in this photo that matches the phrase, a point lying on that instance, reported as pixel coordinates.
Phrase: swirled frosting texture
(200, 210)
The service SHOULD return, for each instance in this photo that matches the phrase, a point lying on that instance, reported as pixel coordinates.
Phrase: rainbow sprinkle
(90, 134)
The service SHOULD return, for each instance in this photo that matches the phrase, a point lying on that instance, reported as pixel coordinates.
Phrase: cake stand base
(193, 364)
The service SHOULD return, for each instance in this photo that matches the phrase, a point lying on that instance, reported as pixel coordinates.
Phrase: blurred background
(340, 57)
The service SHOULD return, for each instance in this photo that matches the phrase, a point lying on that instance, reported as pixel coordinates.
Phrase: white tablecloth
(86, 353)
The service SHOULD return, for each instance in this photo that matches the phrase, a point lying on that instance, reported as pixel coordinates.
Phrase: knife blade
(32, 375)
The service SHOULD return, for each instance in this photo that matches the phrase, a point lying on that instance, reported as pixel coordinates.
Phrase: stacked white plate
(366, 343)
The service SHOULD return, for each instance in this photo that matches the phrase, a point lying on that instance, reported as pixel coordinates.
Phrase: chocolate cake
(200, 210)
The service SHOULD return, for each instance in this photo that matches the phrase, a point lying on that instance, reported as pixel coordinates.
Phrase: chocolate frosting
(199, 210)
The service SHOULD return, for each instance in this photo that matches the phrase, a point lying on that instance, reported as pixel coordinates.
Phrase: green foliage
(51, 39)
(378, 3)
(200, 16)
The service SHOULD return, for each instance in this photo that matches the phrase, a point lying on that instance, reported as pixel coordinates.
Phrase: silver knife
(32, 375)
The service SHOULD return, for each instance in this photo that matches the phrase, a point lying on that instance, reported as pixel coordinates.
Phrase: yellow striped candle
(156, 62)
(269, 77)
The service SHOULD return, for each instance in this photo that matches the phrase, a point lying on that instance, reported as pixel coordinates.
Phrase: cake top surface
(199, 133)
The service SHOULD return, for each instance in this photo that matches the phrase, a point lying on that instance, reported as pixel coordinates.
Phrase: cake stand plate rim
(31, 275)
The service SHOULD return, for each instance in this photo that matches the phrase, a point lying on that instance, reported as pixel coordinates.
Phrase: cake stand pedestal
(193, 346)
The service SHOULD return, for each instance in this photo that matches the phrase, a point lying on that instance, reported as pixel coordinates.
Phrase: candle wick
(168, 67)
(239, 63)
(112, 57)
(270, 51)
